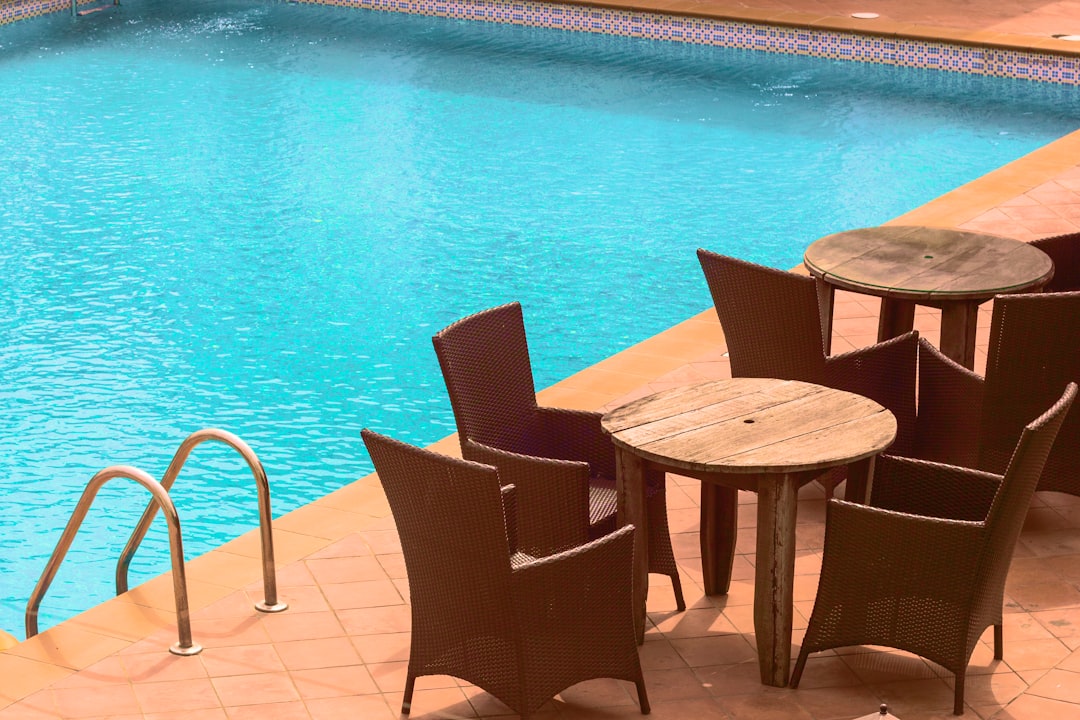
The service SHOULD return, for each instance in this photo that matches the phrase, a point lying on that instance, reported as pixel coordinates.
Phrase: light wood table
(765, 435)
(953, 270)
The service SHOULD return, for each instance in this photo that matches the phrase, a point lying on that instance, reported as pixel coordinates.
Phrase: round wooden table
(953, 270)
(760, 434)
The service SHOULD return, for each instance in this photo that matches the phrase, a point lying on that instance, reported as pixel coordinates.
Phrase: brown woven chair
(772, 325)
(520, 628)
(923, 567)
(968, 420)
(485, 364)
(1064, 250)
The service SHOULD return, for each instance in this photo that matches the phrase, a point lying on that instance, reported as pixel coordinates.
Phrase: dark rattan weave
(523, 629)
(1034, 351)
(1064, 250)
(923, 568)
(772, 325)
(485, 363)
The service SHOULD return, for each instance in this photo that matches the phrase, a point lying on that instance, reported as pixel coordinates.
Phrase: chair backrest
(485, 363)
(1064, 250)
(449, 517)
(770, 319)
(1034, 352)
(1006, 516)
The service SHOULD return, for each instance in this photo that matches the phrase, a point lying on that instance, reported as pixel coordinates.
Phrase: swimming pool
(254, 215)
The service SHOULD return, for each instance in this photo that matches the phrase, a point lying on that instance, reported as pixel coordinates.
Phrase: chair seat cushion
(604, 503)
(603, 506)
(519, 558)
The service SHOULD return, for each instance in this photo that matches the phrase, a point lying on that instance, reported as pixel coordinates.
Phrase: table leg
(860, 478)
(826, 295)
(775, 576)
(630, 475)
(958, 323)
(719, 525)
(897, 317)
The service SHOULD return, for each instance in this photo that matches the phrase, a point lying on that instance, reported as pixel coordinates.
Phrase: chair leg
(796, 674)
(406, 700)
(958, 697)
(642, 696)
(661, 554)
(999, 642)
(676, 585)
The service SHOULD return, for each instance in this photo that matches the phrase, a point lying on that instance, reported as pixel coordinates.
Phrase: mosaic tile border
(12, 11)
(836, 45)
(995, 62)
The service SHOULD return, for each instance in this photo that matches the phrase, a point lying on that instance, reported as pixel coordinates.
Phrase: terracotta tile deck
(340, 650)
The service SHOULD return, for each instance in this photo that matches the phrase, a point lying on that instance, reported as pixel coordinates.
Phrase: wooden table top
(922, 263)
(752, 425)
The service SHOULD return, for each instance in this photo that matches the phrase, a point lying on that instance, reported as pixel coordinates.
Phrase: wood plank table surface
(953, 270)
(760, 434)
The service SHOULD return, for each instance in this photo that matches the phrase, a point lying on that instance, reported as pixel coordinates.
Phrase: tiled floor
(340, 649)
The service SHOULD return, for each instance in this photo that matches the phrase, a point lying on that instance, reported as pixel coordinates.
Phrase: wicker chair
(520, 628)
(773, 328)
(1064, 250)
(968, 420)
(923, 567)
(485, 364)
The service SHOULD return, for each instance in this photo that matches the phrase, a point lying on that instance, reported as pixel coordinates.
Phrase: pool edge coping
(981, 52)
(885, 28)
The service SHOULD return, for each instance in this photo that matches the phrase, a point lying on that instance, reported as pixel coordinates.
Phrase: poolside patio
(339, 651)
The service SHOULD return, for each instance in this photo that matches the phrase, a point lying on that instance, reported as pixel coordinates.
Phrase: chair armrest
(509, 504)
(931, 489)
(893, 554)
(578, 435)
(581, 587)
(950, 409)
(885, 373)
(551, 497)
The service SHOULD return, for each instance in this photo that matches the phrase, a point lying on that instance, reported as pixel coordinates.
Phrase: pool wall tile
(830, 44)
(9, 12)
(823, 43)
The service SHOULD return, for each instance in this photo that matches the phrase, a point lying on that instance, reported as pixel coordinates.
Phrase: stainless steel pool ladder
(161, 499)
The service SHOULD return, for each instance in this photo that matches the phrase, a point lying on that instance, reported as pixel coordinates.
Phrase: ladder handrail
(270, 602)
(160, 498)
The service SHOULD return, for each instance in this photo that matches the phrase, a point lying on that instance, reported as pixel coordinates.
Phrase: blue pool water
(254, 215)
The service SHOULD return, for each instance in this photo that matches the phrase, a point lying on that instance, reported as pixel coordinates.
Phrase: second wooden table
(953, 270)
